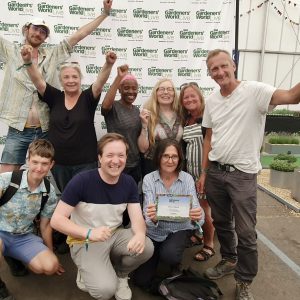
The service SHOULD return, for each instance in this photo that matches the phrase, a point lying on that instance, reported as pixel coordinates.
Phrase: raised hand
(107, 6)
(26, 53)
(111, 57)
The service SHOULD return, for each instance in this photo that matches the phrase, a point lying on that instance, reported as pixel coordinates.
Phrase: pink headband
(128, 77)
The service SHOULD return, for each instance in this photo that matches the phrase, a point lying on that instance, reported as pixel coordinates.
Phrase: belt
(32, 126)
(224, 167)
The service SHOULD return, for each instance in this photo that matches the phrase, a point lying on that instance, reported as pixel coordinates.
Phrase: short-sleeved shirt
(125, 121)
(153, 185)
(17, 215)
(18, 92)
(97, 203)
(238, 123)
(72, 131)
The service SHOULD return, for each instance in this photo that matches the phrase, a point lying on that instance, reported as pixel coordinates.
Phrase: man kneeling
(18, 213)
(104, 252)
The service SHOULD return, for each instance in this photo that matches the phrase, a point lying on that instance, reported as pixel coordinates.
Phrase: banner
(158, 38)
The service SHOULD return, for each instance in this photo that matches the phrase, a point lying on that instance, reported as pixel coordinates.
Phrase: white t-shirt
(238, 123)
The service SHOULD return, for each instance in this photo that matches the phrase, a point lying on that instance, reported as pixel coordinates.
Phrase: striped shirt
(18, 92)
(192, 135)
(153, 185)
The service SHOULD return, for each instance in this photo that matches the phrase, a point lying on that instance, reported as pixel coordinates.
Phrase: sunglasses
(188, 84)
(39, 29)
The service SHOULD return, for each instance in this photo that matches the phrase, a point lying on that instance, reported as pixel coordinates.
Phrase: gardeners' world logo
(190, 73)
(138, 72)
(11, 28)
(219, 34)
(118, 14)
(176, 53)
(102, 33)
(65, 29)
(121, 52)
(178, 15)
(88, 12)
(26, 8)
(160, 72)
(212, 16)
(53, 10)
(199, 52)
(146, 53)
(147, 15)
(87, 51)
(164, 35)
(92, 69)
(207, 90)
(105, 88)
(186, 34)
(132, 34)
(145, 90)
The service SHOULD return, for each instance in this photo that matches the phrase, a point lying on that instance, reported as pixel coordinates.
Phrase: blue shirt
(153, 185)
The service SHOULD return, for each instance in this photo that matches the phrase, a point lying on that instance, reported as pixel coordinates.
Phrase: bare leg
(44, 263)
(208, 227)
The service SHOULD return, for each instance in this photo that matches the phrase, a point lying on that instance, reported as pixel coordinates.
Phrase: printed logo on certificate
(171, 207)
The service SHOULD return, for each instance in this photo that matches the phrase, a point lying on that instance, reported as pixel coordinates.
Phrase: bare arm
(46, 232)
(291, 96)
(104, 73)
(143, 139)
(111, 94)
(87, 29)
(32, 70)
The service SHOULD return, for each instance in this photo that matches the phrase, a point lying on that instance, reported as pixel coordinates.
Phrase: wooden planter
(296, 186)
(281, 148)
(283, 180)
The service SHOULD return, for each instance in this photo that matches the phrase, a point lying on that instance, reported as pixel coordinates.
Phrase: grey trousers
(232, 197)
(103, 262)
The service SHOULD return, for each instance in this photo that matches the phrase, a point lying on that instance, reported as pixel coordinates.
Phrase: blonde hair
(198, 92)
(153, 106)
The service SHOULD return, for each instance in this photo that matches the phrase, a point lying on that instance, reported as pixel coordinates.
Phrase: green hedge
(283, 140)
(284, 162)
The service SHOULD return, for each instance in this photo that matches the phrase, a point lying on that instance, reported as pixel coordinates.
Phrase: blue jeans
(232, 198)
(63, 173)
(17, 142)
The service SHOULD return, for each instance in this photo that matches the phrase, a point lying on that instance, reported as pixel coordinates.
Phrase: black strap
(14, 185)
(45, 196)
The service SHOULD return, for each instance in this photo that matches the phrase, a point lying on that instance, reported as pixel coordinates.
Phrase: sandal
(205, 253)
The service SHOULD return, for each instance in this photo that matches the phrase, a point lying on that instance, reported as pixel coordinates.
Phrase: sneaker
(80, 282)
(224, 267)
(4, 293)
(123, 290)
(243, 291)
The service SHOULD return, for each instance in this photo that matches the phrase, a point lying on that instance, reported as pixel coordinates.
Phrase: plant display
(283, 165)
(287, 157)
(286, 139)
(285, 112)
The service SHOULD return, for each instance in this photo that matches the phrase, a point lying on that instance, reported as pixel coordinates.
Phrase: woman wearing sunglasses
(170, 235)
(192, 102)
(161, 118)
(72, 111)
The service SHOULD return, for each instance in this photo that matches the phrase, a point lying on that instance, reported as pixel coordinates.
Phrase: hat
(37, 22)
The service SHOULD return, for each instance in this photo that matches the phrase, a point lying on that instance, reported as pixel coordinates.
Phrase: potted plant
(282, 171)
(277, 144)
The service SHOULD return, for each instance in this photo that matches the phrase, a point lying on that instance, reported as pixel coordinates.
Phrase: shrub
(287, 157)
(283, 140)
(284, 112)
(282, 165)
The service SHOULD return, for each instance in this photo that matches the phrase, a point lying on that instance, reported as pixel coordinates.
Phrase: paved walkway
(279, 261)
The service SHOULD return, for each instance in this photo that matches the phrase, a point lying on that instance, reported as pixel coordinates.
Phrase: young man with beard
(235, 118)
(20, 107)
(104, 252)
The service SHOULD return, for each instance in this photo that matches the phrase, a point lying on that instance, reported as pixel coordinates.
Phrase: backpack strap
(14, 185)
(45, 197)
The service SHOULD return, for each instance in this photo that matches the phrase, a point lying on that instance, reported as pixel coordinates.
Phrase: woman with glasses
(72, 111)
(170, 236)
(161, 118)
(192, 102)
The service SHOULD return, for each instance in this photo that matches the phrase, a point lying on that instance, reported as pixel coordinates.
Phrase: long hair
(153, 106)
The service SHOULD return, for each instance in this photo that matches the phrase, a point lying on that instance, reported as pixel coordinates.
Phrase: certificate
(173, 207)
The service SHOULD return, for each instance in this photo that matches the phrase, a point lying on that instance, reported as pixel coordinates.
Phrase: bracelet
(87, 239)
(24, 66)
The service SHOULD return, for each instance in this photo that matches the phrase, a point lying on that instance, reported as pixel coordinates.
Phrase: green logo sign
(192, 73)
(136, 34)
(118, 14)
(186, 34)
(199, 52)
(121, 52)
(207, 90)
(148, 53)
(102, 32)
(138, 72)
(82, 11)
(150, 15)
(92, 69)
(145, 90)
(161, 34)
(219, 34)
(176, 53)
(214, 16)
(55, 10)
(85, 50)
(153, 71)
(65, 29)
(17, 6)
(9, 27)
(177, 15)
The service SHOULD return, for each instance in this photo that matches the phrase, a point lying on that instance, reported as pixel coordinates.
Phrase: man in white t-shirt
(235, 119)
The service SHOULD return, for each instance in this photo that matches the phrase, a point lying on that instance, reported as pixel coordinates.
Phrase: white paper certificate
(173, 207)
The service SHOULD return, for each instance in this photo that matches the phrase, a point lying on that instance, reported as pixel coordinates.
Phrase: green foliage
(287, 157)
(283, 139)
(282, 165)
(285, 112)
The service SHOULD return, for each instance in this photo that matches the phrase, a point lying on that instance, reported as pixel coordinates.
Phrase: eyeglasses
(166, 157)
(165, 89)
(188, 84)
(39, 29)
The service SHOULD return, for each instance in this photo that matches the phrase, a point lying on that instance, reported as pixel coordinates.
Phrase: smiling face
(35, 35)
(128, 90)
(165, 93)
(169, 160)
(70, 80)
(221, 69)
(38, 167)
(191, 100)
(112, 160)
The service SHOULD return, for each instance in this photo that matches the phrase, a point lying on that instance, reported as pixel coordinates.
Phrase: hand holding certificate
(173, 207)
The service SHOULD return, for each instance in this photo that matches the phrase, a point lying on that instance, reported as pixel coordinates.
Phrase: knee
(148, 250)
(45, 266)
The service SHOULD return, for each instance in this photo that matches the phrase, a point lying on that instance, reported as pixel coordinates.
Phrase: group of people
(176, 145)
